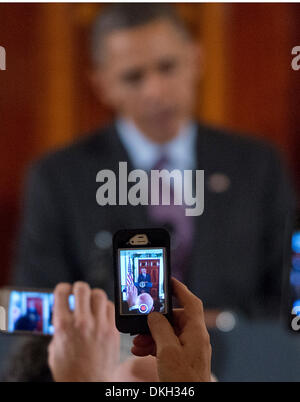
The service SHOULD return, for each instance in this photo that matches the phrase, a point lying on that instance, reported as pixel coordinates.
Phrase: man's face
(148, 74)
(143, 271)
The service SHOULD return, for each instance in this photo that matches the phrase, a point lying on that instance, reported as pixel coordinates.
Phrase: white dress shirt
(145, 153)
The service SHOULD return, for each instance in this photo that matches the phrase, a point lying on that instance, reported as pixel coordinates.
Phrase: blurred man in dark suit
(146, 67)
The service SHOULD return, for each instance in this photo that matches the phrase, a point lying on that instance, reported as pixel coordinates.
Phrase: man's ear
(197, 61)
(98, 81)
(95, 80)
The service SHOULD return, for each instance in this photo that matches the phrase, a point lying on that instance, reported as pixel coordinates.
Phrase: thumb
(161, 331)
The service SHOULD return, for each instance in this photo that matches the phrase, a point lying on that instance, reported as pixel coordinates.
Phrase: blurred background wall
(46, 100)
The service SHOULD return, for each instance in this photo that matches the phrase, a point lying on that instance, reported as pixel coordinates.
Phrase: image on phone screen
(32, 311)
(142, 281)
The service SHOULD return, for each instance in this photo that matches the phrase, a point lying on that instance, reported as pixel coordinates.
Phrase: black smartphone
(292, 281)
(142, 277)
(27, 310)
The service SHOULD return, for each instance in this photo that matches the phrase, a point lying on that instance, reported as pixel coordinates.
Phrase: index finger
(61, 309)
(190, 302)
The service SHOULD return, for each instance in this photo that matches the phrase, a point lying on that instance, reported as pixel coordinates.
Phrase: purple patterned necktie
(180, 226)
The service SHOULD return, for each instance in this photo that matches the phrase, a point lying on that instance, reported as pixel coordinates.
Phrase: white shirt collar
(144, 153)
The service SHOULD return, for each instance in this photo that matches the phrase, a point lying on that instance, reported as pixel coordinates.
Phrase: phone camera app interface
(142, 281)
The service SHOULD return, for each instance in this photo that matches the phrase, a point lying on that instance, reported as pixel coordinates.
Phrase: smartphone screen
(31, 311)
(295, 273)
(142, 280)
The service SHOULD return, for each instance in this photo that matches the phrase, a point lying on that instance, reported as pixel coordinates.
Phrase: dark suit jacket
(238, 246)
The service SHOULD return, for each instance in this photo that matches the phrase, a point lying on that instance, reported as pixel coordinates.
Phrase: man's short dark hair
(119, 16)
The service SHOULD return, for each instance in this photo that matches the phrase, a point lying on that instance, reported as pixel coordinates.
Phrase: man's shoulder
(221, 137)
(95, 144)
(235, 146)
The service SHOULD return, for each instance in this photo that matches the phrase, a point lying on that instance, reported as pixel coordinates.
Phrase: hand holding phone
(142, 277)
(183, 350)
(86, 343)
